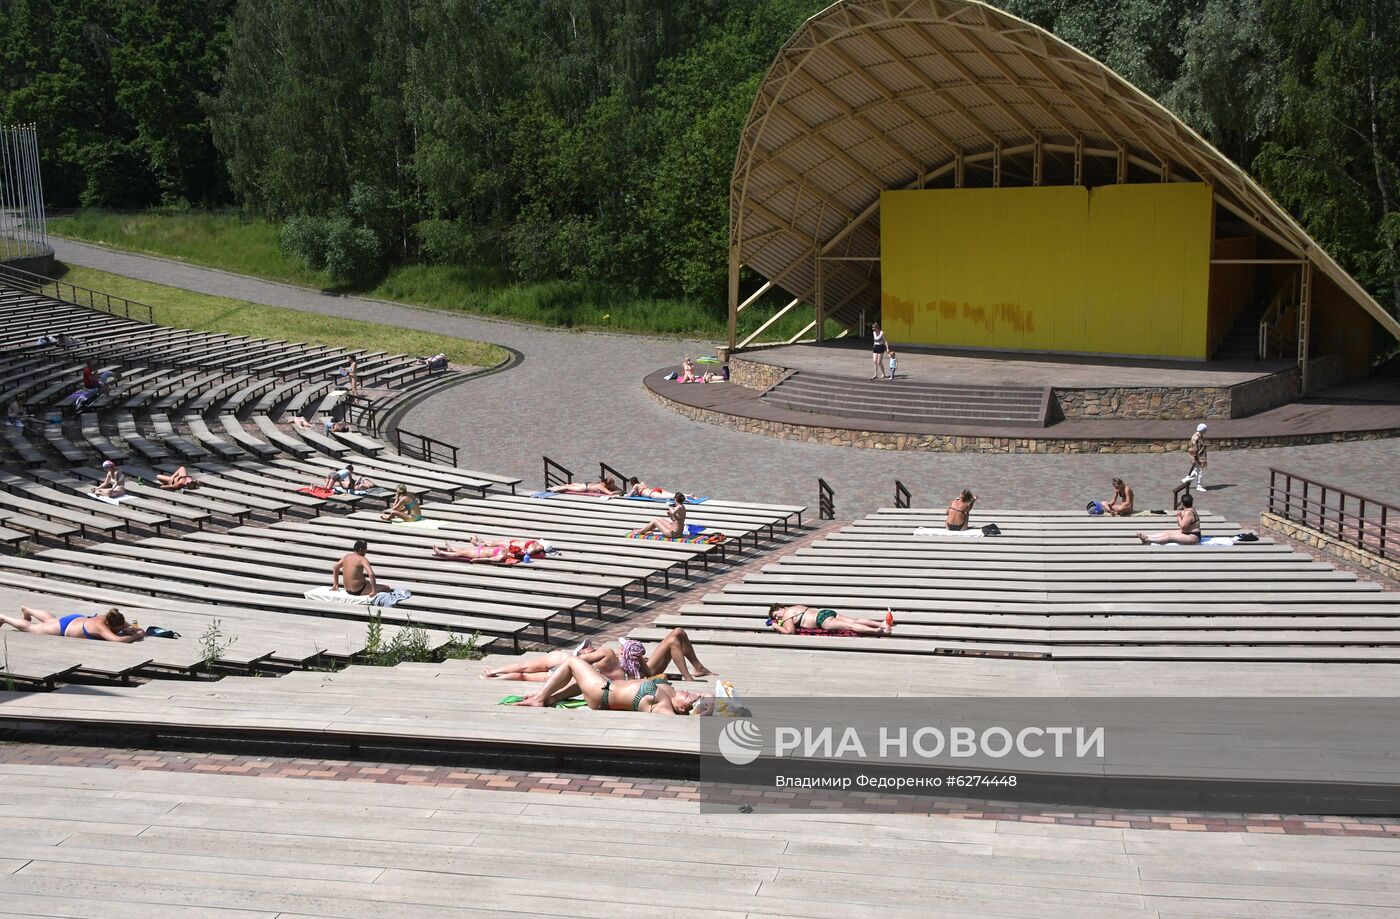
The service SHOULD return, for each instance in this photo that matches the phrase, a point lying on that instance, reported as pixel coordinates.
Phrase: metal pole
(39, 191)
(36, 207)
(5, 187)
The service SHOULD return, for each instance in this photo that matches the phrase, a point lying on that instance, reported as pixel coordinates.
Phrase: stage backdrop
(1119, 269)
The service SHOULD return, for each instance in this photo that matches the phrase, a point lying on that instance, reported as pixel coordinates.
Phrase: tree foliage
(593, 140)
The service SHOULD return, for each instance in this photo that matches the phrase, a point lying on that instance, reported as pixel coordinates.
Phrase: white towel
(111, 500)
(331, 595)
(421, 524)
(940, 532)
(1208, 541)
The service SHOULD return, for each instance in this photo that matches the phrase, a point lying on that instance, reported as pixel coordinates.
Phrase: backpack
(991, 529)
(1094, 508)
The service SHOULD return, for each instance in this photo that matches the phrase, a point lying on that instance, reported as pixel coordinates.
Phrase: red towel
(316, 491)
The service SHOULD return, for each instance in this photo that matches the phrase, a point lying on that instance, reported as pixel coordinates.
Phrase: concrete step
(916, 403)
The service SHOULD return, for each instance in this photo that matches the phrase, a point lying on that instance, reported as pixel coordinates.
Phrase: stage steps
(914, 402)
(1241, 343)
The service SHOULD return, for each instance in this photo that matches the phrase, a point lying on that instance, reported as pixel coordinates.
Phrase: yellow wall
(1119, 269)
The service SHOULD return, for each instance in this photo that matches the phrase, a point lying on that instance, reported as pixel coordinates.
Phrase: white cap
(1200, 427)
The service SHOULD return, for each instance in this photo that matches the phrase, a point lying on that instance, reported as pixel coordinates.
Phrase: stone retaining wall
(756, 374)
(1180, 403)
(1330, 545)
(975, 443)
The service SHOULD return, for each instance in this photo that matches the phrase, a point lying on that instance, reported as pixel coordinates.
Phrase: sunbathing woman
(113, 484)
(788, 619)
(630, 661)
(174, 481)
(607, 488)
(636, 487)
(670, 526)
(1187, 532)
(601, 693)
(687, 371)
(499, 552)
(112, 626)
(405, 507)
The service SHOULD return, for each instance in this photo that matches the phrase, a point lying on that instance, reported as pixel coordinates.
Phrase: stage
(1018, 403)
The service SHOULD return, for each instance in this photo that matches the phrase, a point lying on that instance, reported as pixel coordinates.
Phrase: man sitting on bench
(356, 571)
(960, 510)
(790, 620)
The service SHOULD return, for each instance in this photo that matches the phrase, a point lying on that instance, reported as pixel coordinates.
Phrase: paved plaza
(578, 398)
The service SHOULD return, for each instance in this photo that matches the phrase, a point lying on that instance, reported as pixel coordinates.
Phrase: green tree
(1336, 156)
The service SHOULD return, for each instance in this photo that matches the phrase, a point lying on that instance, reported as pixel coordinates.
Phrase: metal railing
(826, 501)
(78, 296)
(1177, 492)
(423, 447)
(901, 494)
(361, 411)
(604, 470)
(1370, 525)
(555, 474)
(1277, 319)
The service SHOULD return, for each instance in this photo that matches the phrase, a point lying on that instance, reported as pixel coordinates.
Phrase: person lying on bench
(603, 694)
(670, 526)
(111, 626)
(636, 487)
(436, 362)
(113, 484)
(357, 572)
(405, 507)
(174, 481)
(499, 552)
(788, 619)
(960, 510)
(630, 661)
(1121, 504)
(1187, 532)
(14, 413)
(606, 488)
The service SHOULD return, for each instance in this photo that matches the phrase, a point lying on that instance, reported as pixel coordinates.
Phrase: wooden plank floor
(117, 844)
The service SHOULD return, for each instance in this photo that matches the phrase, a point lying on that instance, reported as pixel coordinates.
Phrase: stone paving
(578, 397)
(285, 765)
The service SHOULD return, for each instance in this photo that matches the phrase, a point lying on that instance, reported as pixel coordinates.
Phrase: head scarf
(631, 655)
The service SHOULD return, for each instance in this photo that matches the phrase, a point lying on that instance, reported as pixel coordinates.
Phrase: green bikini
(648, 688)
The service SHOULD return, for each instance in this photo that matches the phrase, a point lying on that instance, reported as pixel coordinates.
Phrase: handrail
(423, 447)
(1304, 501)
(108, 303)
(555, 474)
(1273, 315)
(604, 470)
(366, 409)
(826, 501)
(901, 494)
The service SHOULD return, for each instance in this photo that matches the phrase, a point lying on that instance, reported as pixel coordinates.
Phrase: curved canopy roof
(872, 95)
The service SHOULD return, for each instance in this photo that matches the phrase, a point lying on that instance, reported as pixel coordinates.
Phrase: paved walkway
(578, 397)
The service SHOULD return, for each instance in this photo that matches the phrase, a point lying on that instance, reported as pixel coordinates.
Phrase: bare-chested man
(357, 572)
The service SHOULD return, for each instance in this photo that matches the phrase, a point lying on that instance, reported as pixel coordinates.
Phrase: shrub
(350, 254)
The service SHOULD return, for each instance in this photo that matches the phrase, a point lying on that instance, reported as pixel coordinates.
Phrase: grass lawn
(207, 313)
(228, 240)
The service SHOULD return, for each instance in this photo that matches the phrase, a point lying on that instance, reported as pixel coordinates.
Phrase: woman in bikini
(788, 619)
(111, 626)
(498, 552)
(607, 488)
(1187, 532)
(177, 480)
(113, 484)
(637, 488)
(629, 661)
(670, 526)
(405, 507)
(602, 694)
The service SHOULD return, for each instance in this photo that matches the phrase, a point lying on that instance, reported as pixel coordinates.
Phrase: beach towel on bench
(108, 500)
(713, 538)
(942, 533)
(559, 494)
(567, 703)
(690, 499)
(316, 491)
(839, 633)
(383, 598)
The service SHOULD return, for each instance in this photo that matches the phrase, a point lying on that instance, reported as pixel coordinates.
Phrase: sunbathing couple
(629, 662)
(607, 488)
(629, 681)
(111, 626)
(790, 619)
(500, 552)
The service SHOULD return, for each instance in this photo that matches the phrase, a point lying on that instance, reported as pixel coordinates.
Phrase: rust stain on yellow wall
(1121, 269)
